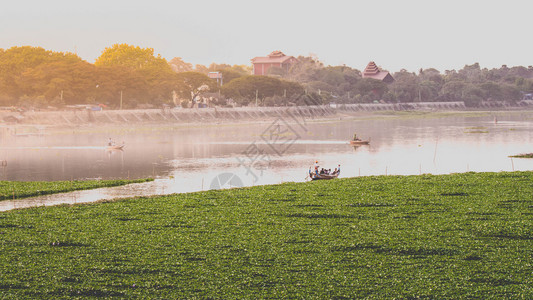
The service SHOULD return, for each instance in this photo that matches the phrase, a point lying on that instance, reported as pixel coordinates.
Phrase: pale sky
(396, 34)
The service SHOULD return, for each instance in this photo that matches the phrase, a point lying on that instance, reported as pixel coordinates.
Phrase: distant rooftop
(373, 71)
(274, 57)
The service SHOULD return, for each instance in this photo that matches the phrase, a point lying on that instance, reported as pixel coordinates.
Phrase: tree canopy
(133, 57)
(248, 88)
(191, 84)
(35, 77)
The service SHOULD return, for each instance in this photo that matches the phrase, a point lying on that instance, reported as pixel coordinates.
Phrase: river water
(201, 157)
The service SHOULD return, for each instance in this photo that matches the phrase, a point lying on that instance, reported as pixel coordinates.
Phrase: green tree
(230, 74)
(201, 69)
(319, 86)
(472, 95)
(428, 90)
(472, 73)
(510, 93)
(155, 69)
(134, 57)
(60, 82)
(247, 88)
(491, 91)
(371, 88)
(304, 69)
(190, 85)
(178, 65)
(405, 87)
(333, 76)
(111, 83)
(431, 75)
(17, 60)
(453, 90)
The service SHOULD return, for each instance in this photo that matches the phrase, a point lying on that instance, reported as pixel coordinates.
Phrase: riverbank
(445, 236)
(50, 122)
(173, 116)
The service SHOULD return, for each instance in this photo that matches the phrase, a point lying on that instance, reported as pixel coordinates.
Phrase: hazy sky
(396, 34)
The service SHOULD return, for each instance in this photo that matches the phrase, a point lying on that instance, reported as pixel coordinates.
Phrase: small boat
(323, 176)
(359, 142)
(319, 176)
(116, 147)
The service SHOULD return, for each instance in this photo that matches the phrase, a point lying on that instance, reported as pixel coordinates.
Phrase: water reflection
(87, 196)
(187, 159)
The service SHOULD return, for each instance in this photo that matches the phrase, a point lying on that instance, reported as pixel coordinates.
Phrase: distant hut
(372, 71)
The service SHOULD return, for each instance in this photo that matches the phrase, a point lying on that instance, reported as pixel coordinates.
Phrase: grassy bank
(21, 189)
(448, 236)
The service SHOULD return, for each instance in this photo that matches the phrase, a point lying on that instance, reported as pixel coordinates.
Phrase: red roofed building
(274, 59)
(372, 71)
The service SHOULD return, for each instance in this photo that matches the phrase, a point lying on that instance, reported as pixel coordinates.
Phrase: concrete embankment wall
(162, 115)
(402, 106)
(82, 117)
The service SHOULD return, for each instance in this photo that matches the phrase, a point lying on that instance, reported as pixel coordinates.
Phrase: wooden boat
(323, 176)
(315, 176)
(116, 147)
(359, 142)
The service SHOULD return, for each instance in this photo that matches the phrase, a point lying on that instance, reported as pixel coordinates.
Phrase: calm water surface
(187, 159)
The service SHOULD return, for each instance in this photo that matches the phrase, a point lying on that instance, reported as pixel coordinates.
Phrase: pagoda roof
(371, 69)
(374, 72)
(379, 76)
(274, 57)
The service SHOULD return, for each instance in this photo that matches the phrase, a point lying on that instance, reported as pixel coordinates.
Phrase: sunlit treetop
(134, 57)
(30, 57)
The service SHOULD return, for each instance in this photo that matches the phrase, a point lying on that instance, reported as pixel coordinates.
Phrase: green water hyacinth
(22, 189)
(524, 155)
(439, 237)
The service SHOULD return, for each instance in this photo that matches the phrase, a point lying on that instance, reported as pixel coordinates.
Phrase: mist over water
(201, 157)
(269, 152)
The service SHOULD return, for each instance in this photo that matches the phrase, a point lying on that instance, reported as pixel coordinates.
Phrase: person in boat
(355, 138)
(316, 167)
(337, 170)
(110, 142)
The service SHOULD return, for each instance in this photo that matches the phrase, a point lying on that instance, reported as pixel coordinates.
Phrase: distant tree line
(472, 84)
(126, 76)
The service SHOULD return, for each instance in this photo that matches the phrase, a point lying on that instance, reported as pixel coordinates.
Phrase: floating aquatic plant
(437, 237)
